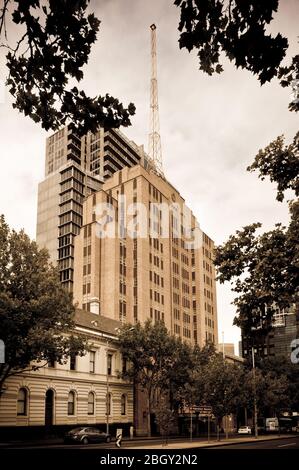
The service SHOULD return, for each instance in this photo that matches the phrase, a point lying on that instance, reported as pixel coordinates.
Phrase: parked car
(86, 435)
(244, 430)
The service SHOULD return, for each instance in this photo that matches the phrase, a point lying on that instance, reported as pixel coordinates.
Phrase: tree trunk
(149, 429)
(218, 428)
(4, 371)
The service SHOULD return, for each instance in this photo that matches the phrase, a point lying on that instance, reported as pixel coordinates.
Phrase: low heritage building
(86, 390)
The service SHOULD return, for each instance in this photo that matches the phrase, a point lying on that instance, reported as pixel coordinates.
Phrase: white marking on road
(286, 445)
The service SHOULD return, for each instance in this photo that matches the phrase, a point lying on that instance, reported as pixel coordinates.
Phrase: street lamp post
(191, 424)
(107, 391)
(254, 395)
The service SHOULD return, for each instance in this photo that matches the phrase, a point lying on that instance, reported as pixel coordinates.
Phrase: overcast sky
(211, 127)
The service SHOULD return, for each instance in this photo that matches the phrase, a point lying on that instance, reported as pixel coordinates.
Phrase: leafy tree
(270, 391)
(36, 312)
(151, 352)
(262, 271)
(222, 382)
(188, 378)
(165, 416)
(281, 164)
(178, 379)
(54, 44)
(237, 29)
(283, 369)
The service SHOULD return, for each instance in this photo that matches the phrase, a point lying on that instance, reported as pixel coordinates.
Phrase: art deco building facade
(154, 275)
(76, 167)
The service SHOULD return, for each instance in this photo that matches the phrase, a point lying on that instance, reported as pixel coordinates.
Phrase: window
(124, 365)
(22, 402)
(109, 364)
(108, 404)
(91, 403)
(71, 404)
(73, 361)
(123, 404)
(51, 362)
(92, 361)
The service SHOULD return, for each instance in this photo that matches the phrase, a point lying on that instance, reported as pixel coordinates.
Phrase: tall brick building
(155, 274)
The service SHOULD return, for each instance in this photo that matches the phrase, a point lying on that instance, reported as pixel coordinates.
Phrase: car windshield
(75, 430)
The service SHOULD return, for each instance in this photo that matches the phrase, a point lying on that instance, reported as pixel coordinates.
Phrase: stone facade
(61, 396)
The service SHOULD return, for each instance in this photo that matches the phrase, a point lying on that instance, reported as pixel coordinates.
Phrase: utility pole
(225, 417)
(254, 395)
(191, 424)
(154, 143)
(107, 390)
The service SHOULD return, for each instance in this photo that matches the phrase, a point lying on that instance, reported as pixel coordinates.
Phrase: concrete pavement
(213, 444)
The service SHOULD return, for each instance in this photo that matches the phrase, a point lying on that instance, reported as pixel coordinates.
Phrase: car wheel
(85, 441)
(108, 439)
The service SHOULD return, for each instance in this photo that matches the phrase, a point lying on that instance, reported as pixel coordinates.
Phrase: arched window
(123, 404)
(71, 404)
(108, 404)
(91, 403)
(22, 402)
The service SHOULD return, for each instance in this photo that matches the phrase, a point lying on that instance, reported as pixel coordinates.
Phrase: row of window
(156, 278)
(71, 206)
(71, 195)
(209, 322)
(92, 362)
(72, 183)
(70, 217)
(208, 294)
(186, 333)
(156, 314)
(207, 266)
(209, 308)
(69, 228)
(156, 260)
(156, 244)
(157, 297)
(210, 337)
(155, 193)
(207, 280)
(184, 259)
(23, 403)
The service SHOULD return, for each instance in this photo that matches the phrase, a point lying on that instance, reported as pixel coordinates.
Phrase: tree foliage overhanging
(53, 45)
(237, 29)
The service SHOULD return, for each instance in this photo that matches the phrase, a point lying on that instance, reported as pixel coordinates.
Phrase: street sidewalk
(212, 443)
(172, 442)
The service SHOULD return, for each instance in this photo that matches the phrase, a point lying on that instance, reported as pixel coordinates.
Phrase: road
(286, 443)
(126, 443)
(291, 443)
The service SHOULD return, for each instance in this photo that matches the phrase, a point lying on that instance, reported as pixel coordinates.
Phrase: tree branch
(2, 18)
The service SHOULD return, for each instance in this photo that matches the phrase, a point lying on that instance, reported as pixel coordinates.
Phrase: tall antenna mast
(154, 141)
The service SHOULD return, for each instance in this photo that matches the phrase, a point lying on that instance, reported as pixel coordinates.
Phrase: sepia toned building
(74, 168)
(133, 259)
(86, 391)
